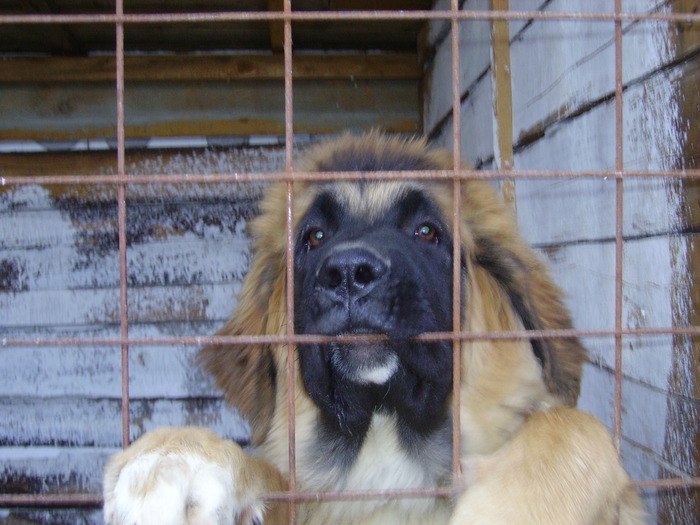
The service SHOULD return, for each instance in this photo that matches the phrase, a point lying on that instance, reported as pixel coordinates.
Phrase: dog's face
(375, 258)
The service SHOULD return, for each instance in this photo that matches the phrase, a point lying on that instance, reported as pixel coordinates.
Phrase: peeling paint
(12, 276)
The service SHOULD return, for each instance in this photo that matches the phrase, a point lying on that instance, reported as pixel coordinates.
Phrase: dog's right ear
(247, 373)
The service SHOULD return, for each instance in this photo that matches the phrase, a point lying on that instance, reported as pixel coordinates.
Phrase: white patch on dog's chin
(365, 363)
(377, 375)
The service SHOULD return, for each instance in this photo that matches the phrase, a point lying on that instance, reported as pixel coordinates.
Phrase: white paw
(178, 477)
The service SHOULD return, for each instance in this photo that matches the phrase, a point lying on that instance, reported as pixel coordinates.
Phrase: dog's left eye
(427, 232)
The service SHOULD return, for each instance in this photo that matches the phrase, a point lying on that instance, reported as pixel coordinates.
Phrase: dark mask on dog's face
(375, 258)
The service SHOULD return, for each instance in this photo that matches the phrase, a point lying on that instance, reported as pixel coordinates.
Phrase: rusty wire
(323, 16)
(461, 173)
(619, 189)
(121, 225)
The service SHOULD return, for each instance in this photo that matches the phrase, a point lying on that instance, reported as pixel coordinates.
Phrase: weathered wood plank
(581, 70)
(241, 159)
(229, 68)
(53, 470)
(101, 306)
(477, 136)
(652, 140)
(38, 422)
(66, 242)
(94, 371)
(190, 261)
(77, 111)
(54, 516)
(475, 59)
(654, 272)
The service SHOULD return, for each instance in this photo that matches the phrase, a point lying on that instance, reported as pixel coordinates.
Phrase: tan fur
(534, 460)
(558, 468)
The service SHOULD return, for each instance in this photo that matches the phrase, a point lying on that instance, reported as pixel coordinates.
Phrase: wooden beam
(209, 68)
(503, 99)
(76, 111)
(276, 27)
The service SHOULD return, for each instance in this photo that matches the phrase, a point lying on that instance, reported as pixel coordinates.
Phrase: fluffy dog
(374, 259)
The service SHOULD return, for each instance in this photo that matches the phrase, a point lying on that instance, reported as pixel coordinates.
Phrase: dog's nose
(351, 272)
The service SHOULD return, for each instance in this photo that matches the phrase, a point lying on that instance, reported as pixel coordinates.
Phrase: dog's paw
(186, 476)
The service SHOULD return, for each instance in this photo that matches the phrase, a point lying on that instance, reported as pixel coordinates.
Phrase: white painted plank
(656, 294)
(49, 372)
(34, 229)
(645, 448)
(88, 307)
(588, 143)
(654, 284)
(184, 260)
(52, 516)
(644, 418)
(475, 59)
(436, 28)
(476, 137)
(597, 391)
(55, 469)
(641, 465)
(41, 422)
(474, 52)
(92, 371)
(86, 225)
(561, 65)
(563, 210)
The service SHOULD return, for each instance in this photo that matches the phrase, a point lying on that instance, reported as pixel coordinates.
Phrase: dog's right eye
(315, 238)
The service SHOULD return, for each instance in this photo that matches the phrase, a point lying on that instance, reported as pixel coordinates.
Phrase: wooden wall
(563, 118)
(217, 86)
(59, 277)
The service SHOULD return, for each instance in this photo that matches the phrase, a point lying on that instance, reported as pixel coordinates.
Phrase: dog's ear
(498, 248)
(247, 373)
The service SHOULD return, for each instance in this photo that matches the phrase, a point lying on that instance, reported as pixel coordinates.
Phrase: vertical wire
(619, 165)
(457, 253)
(289, 167)
(121, 221)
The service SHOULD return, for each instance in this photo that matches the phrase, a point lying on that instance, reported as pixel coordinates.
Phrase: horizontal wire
(465, 174)
(321, 339)
(94, 500)
(322, 16)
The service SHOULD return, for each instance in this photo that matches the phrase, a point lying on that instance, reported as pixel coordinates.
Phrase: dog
(374, 267)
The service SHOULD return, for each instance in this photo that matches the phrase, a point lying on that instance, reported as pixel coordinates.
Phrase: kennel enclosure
(135, 138)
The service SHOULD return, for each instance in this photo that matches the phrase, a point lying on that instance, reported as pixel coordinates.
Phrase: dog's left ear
(524, 278)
